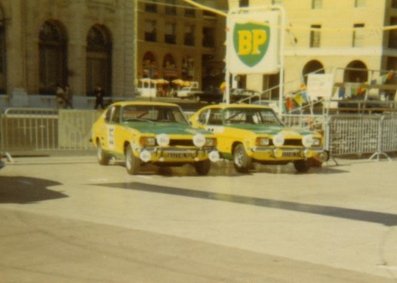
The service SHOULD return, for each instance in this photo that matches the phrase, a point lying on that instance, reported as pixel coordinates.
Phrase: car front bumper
(286, 153)
(176, 155)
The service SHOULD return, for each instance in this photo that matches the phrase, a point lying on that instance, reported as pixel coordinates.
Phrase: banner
(252, 43)
(320, 85)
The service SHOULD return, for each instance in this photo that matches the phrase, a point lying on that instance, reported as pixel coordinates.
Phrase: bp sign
(252, 43)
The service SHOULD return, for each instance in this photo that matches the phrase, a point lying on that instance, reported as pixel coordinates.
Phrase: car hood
(164, 128)
(271, 130)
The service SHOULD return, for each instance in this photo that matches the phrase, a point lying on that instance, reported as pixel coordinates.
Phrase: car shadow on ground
(387, 219)
(186, 170)
(226, 169)
(290, 170)
(23, 190)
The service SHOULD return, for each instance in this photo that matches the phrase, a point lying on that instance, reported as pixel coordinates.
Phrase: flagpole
(282, 43)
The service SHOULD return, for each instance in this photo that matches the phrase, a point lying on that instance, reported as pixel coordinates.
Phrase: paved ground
(67, 219)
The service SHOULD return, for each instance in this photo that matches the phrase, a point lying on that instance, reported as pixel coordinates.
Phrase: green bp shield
(251, 42)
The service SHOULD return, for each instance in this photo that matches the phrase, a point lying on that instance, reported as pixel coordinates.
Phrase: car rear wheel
(102, 157)
(202, 167)
(302, 166)
(242, 162)
(132, 164)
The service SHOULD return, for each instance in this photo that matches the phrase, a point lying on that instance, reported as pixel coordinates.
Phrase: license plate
(179, 155)
(291, 154)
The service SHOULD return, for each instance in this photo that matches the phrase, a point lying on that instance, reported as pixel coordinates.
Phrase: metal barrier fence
(312, 122)
(32, 131)
(352, 134)
(74, 129)
(45, 130)
(362, 134)
(28, 130)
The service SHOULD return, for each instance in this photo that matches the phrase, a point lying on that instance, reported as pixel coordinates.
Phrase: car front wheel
(132, 164)
(102, 157)
(242, 162)
(302, 166)
(202, 167)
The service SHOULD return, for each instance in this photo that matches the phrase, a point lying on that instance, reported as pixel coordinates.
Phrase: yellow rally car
(151, 132)
(253, 133)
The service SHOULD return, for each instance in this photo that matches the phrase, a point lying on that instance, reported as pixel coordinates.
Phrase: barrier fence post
(2, 147)
(379, 151)
(328, 138)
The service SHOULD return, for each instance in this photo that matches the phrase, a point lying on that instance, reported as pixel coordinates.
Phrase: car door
(212, 120)
(116, 131)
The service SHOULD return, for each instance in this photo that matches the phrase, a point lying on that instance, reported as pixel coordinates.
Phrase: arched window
(99, 60)
(356, 71)
(53, 58)
(187, 68)
(313, 66)
(3, 62)
(149, 66)
(169, 67)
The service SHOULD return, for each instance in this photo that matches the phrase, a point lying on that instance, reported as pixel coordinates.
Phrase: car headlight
(163, 139)
(199, 140)
(262, 141)
(148, 141)
(210, 142)
(307, 141)
(214, 156)
(145, 156)
(278, 140)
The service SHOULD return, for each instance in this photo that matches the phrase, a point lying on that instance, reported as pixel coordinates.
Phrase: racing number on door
(111, 141)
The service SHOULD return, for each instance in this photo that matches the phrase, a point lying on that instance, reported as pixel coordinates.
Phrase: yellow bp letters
(250, 41)
(244, 40)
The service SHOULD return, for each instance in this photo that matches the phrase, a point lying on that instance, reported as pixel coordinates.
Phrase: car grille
(181, 142)
(293, 142)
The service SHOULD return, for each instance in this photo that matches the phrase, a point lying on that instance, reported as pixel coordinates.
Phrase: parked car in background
(209, 96)
(237, 94)
(253, 133)
(189, 91)
(194, 93)
(156, 133)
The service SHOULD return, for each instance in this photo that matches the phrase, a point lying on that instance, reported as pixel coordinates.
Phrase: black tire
(132, 164)
(202, 167)
(302, 166)
(102, 157)
(313, 162)
(242, 162)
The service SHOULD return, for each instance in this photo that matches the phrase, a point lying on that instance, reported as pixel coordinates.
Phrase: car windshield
(154, 113)
(256, 116)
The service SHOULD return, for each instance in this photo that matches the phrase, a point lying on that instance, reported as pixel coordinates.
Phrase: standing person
(60, 96)
(67, 97)
(99, 94)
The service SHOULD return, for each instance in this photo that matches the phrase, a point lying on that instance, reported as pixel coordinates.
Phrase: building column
(130, 47)
(77, 50)
(15, 33)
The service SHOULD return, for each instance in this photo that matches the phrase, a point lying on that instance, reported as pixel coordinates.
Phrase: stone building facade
(82, 43)
(178, 41)
(112, 43)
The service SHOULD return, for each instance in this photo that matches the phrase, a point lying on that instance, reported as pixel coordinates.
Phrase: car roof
(237, 105)
(140, 102)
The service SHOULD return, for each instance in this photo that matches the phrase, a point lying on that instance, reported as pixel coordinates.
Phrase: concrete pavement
(67, 219)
